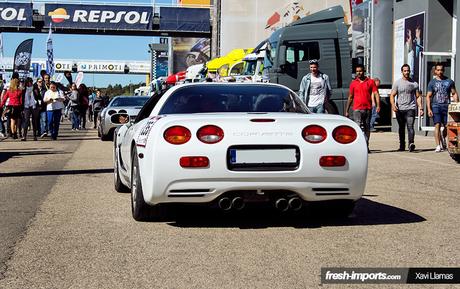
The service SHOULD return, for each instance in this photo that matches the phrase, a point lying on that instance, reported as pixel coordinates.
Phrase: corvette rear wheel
(455, 157)
(119, 186)
(343, 208)
(140, 209)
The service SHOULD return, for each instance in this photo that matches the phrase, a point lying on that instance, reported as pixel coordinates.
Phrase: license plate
(267, 156)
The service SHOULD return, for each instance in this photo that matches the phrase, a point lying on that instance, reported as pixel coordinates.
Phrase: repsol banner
(15, 14)
(98, 17)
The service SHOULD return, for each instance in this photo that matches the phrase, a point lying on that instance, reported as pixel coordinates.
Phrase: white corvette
(231, 145)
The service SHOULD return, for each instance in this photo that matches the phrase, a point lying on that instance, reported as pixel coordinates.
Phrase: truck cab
(322, 36)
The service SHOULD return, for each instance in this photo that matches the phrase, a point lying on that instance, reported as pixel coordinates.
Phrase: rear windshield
(129, 101)
(232, 98)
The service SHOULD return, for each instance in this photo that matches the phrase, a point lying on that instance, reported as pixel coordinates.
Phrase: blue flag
(49, 54)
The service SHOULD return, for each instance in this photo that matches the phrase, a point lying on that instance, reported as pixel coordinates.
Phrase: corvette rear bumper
(207, 191)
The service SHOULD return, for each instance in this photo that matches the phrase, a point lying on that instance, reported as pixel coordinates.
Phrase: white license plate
(258, 156)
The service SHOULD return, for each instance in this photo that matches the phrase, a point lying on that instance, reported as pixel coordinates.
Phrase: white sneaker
(438, 149)
(2, 135)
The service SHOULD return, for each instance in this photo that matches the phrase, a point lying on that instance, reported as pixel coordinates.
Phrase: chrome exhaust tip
(238, 203)
(282, 204)
(295, 203)
(225, 204)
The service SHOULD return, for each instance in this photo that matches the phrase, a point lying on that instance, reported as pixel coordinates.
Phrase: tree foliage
(117, 89)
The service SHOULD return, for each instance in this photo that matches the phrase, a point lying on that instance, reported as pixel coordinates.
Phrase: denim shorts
(440, 113)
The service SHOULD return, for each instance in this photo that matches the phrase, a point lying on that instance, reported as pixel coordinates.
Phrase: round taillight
(344, 134)
(177, 135)
(110, 112)
(210, 134)
(314, 134)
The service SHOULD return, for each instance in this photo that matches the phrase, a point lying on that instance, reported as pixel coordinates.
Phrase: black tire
(119, 186)
(330, 108)
(455, 157)
(342, 208)
(140, 209)
(105, 137)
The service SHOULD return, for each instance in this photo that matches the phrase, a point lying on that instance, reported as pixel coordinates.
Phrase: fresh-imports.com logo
(58, 15)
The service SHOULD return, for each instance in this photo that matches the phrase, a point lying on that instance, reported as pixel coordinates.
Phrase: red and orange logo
(58, 15)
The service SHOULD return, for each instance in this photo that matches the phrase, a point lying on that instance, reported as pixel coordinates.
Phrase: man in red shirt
(361, 90)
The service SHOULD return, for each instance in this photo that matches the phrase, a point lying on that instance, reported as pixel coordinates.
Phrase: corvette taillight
(314, 134)
(332, 161)
(344, 134)
(177, 135)
(194, 162)
(210, 134)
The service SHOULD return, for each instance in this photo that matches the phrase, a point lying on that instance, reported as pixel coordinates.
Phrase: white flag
(49, 53)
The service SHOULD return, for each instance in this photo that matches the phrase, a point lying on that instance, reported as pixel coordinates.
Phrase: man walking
(405, 106)
(362, 89)
(315, 88)
(440, 89)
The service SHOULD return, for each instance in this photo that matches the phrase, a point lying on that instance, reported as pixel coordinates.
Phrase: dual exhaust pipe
(281, 204)
(227, 204)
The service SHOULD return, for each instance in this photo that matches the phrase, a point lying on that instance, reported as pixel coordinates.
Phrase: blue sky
(96, 47)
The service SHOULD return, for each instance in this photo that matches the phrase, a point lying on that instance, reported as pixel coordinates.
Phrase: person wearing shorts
(439, 90)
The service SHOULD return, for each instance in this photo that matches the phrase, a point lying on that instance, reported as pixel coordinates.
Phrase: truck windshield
(249, 67)
(271, 53)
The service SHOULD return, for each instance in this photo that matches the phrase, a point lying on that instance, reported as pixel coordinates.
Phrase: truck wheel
(330, 108)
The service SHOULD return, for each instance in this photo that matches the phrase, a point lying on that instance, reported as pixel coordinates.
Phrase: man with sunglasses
(315, 88)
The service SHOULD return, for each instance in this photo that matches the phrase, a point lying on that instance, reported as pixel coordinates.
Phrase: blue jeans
(317, 109)
(75, 119)
(43, 122)
(54, 120)
(374, 116)
(406, 117)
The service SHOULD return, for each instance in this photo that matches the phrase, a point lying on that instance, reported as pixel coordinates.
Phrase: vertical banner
(408, 44)
(22, 58)
(49, 54)
(79, 78)
(36, 67)
(2, 66)
(398, 49)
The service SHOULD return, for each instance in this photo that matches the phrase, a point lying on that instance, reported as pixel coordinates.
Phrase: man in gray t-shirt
(405, 106)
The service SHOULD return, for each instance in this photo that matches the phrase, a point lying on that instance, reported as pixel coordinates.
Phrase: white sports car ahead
(233, 144)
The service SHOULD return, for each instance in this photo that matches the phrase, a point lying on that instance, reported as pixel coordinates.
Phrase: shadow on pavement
(366, 213)
(76, 138)
(406, 151)
(57, 173)
(8, 154)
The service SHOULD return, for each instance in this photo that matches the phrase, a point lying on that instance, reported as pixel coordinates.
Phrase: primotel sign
(78, 16)
(87, 66)
(101, 67)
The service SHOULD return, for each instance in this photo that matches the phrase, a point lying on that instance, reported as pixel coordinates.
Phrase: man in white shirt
(55, 103)
(315, 88)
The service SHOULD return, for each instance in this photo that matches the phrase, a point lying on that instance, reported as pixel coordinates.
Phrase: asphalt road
(64, 226)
